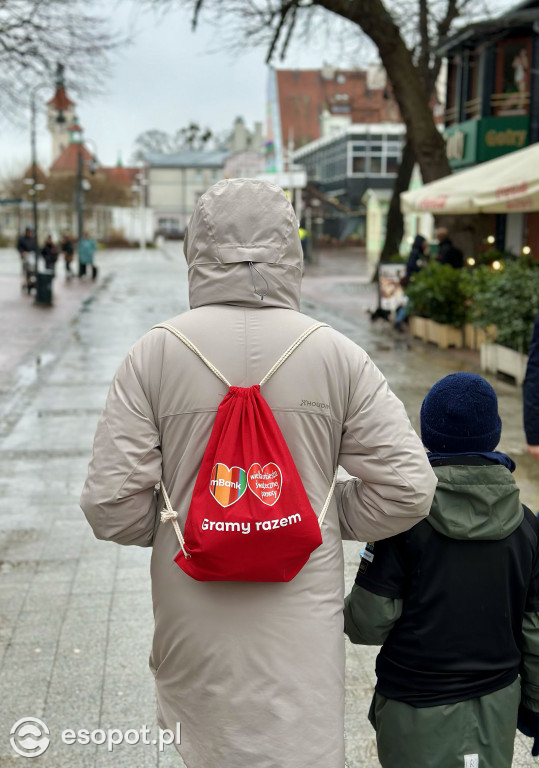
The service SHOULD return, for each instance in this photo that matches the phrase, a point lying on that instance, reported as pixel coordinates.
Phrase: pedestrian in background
(531, 395)
(67, 251)
(86, 249)
(27, 247)
(303, 235)
(253, 671)
(50, 253)
(454, 601)
(447, 252)
(416, 261)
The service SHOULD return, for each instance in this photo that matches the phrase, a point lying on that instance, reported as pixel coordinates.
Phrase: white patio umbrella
(508, 184)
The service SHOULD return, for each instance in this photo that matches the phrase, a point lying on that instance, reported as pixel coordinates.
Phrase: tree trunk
(375, 21)
(395, 220)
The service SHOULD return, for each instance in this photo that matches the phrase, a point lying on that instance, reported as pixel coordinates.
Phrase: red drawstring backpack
(250, 518)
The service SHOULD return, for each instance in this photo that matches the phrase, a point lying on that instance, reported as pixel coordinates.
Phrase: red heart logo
(265, 482)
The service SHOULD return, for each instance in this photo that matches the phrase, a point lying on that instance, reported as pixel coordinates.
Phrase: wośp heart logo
(265, 482)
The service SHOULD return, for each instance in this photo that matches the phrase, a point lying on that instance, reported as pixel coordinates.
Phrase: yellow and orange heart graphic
(227, 485)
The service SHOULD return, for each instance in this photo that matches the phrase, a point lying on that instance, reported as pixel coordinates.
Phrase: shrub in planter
(438, 292)
(509, 299)
(489, 255)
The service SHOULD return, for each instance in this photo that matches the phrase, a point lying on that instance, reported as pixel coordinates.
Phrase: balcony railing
(472, 108)
(516, 103)
(451, 115)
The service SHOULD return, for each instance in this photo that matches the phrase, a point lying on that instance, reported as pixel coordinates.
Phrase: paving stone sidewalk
(75, 613)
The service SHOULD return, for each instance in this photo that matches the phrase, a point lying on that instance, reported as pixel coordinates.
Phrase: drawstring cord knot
(167, 513)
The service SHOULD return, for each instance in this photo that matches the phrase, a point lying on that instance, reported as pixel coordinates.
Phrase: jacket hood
(474, 502)
(238, 221)
(418, 243)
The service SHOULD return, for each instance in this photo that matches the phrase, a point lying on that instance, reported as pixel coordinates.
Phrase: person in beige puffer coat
(253, 671)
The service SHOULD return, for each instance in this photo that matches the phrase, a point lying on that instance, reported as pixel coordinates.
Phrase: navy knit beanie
(460, 415)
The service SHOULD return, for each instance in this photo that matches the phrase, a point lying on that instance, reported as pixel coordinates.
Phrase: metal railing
(515, 103)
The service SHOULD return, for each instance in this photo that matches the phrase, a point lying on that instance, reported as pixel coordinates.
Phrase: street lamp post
(35, 186)
(140, 187)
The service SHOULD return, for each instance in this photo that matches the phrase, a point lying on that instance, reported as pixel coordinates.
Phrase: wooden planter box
(444, 336)
(498, 359)
(485, 335)
(418, 327)
(474, 336)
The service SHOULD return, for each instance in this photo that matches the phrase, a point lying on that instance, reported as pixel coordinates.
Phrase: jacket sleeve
(369, 618)
(393, 484)
(531, 390)
(529, 667)
(118, 497)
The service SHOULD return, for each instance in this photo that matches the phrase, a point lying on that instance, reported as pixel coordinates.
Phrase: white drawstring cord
(169, 514)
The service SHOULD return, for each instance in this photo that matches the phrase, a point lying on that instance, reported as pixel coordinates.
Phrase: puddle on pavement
(27, 373)
(383, 346)
(85, 306)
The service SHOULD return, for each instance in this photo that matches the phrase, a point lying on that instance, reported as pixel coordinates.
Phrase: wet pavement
(75, 613)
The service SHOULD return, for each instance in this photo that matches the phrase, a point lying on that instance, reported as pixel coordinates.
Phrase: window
(377, 159)
(392, 164)
(376, 165)
(168, 225)
(341, 79)
(513, 78)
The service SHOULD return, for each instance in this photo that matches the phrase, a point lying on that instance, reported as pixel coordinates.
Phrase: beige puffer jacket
(254, 672)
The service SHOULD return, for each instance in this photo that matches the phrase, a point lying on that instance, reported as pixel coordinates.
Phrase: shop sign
(455, 145)
(460, 144)
(476, 141)
(499, 135)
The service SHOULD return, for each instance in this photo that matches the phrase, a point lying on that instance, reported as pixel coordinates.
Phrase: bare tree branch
(35, 33)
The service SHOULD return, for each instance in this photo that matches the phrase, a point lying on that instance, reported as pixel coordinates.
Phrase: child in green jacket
(454, 601)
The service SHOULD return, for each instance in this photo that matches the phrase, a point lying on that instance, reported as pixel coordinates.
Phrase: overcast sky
(169, 77)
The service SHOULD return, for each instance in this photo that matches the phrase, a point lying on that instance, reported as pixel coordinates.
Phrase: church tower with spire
(60, 116)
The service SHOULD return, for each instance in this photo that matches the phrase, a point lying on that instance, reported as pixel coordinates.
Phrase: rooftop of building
(353, 131)
(68, 160)
(187, 159)
(60, 100)
(123, 177)
(303, 94)
(523, 15)
(41, 176)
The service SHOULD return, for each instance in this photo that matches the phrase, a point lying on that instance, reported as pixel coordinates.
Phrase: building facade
(492, 102)
(341, 168)
(306, 105)
(176, 181)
